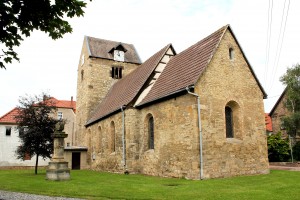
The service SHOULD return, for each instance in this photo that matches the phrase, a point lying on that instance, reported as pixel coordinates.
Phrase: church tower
(101, 64)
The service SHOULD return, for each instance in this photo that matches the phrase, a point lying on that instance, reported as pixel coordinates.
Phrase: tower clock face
(119, 55)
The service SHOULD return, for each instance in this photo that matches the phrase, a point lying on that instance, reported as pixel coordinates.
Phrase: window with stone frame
(229, 122)
(116, 72)
(151, 132)
(8, 131)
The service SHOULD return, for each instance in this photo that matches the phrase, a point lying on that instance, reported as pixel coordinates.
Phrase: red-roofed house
(9, 139)
(197, 114)
(268, 120)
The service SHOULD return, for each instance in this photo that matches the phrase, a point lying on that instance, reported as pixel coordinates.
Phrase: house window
(231, 53)
(229, 122)
(59, 115)
(27, 156)
(151, 132)
(112, 137)
(116, 72)
(8, 130)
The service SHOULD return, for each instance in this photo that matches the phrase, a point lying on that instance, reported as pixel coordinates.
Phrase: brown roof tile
(100, 48)
(126, 89)
(185, 68)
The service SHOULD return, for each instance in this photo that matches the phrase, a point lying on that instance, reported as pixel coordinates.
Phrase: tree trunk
(36, 163)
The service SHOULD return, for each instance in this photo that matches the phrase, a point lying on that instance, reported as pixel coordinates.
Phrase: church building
(197, 114)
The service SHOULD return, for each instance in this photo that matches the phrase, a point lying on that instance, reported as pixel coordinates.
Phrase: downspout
(200, 131)
(123, 139)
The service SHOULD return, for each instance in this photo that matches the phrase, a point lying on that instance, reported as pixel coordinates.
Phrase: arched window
(229, 122)
(231, 53)
(100, 138)
(151, 132)
(112, 137)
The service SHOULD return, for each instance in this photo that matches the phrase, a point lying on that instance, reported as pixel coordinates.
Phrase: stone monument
(58, 168)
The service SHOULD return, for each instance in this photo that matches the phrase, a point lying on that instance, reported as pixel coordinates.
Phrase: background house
(9, 134)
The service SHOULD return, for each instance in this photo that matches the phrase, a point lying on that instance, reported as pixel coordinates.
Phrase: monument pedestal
(58, 168)
(58, 171)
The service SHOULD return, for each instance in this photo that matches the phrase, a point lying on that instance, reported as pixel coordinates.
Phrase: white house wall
(8, 146)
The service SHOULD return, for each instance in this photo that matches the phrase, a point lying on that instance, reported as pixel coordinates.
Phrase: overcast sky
(51, 66)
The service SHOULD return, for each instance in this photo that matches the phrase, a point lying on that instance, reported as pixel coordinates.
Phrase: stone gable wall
(228, 82)
(279, 112)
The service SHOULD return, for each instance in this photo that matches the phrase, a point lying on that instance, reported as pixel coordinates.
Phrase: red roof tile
(63, 103)
(10, 116)
(268, 121)
(126, 89)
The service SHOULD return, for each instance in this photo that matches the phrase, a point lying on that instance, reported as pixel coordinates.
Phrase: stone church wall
(230, 82)
(226, 82)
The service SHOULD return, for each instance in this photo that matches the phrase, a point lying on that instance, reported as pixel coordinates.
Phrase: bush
(296, 151)
(278, 148)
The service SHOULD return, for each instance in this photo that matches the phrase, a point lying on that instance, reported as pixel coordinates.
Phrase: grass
(95, 185)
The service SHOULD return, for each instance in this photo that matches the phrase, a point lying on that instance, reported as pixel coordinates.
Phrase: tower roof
(100, 48)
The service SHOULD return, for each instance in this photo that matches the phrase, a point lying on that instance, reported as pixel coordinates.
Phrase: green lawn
(95, 185)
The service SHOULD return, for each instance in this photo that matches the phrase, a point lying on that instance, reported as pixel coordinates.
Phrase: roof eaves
(162, 97)
(91, 122)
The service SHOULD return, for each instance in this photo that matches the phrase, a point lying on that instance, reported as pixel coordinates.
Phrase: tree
(278, 148)
(19, 18)
(291, 79)
(36, 126)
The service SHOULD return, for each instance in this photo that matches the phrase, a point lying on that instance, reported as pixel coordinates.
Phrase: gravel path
(5, 195)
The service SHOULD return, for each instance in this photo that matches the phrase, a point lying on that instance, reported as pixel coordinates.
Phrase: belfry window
(116, 72)
(229, 122)
(151, 132)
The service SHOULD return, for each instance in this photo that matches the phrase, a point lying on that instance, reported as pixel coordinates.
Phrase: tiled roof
(185, 68)
(268, 121)
(126, 89)
(101, 49)
(63, 103)
(10, 116)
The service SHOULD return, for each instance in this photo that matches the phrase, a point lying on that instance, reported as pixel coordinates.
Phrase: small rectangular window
(8, 131)
(59, 115)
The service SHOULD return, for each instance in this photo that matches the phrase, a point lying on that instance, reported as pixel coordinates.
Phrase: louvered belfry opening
(229, 122)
